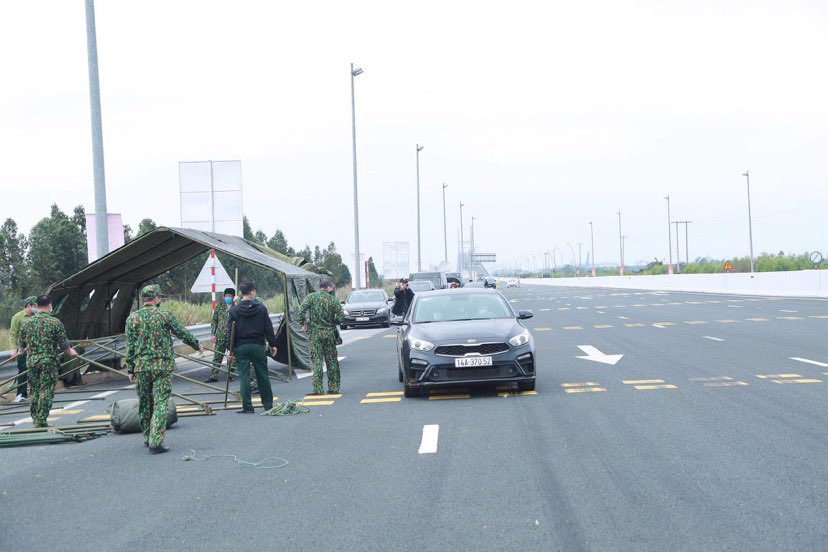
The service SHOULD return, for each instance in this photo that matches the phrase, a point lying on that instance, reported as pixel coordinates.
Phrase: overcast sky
(540, 116)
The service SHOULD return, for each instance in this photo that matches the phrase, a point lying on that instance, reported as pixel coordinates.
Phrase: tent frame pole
(287, 328)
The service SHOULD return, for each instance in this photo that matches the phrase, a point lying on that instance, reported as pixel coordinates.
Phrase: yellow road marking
(601, 307)
(603, 326)
(757, 319)
(382, 400)
(505, 387)
(797, 381)
(584, 384)
(634, 325)
(188, 409)
(654, 305)
(315, 403)
(319, 397)
(768, 376)
(585, 390)
(389, 336)
(633, 382)
(819, 316)
(59, 411)
(674, 303)
(727, 321)
(362, 337)
(448, 397)
(582, 308)
(542, 329)
(563, 308)
(639, 305)
(695, 322)
(542, 310)
(664, 324)
(713, 378)
(385, 394)
(573, 328)
(789, 318)
(97, 417)
(725, 384)
(693, 302)
(645, 387)
(516, 393)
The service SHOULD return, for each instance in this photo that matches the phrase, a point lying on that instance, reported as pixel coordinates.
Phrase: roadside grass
(5, 342)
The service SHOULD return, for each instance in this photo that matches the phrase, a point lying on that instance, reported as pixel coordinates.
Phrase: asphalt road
(706, 435)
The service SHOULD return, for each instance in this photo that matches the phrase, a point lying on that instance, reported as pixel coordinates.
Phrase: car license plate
(468, 362)
(362, 319)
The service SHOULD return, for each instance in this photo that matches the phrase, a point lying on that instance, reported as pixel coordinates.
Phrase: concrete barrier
(800, 283)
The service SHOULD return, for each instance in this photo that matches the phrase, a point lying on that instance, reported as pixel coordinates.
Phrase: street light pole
(471, 246)
(746, 174)
(592, 245)
(620, 244)
(669, 236)
(445, 231)
(419, 241)
(357, 279)
(678, 254)
(462, 245)
(101, 217)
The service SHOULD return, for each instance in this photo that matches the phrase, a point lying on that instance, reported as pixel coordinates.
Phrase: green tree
(14, 272)
(146, 226)
(373, 276)
(127, 233)
(57, 248)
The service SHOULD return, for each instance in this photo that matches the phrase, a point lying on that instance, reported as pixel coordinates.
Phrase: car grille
(473, 373)
(371, 312)
(465, 350)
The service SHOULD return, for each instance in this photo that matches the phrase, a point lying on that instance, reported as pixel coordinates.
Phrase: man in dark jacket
(402, 298)
(253, 327)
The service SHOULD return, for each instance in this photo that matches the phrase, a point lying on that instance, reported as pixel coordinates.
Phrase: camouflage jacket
(320, 312)
(218, 324)
(42, 334)
(149, 343)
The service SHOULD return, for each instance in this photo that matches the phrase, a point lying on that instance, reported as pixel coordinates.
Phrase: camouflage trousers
(153, 388)
(43, 377)
(323, 349)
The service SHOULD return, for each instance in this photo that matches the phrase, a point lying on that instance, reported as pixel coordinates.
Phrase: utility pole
(471, 246)
(686, 241)
(445, 231)
(101, 217)
(746, 174)
(355, 72)
(669, 237)
(419, 240)
(678, 255)
(462, 245)
(620, 243)
(592, 245)
(579, 255)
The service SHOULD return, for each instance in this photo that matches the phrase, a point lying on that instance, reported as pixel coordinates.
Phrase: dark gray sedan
(367, 307)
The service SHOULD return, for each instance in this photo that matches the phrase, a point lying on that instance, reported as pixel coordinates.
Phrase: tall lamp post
(592, 244)
(419, 241)
(746, 174)
(462, 244)
(669, 236)
(101, 218)
(355, 71)
(445, 231)
(620, 244)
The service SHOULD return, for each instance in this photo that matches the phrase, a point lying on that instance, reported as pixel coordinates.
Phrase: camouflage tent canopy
(96, 301)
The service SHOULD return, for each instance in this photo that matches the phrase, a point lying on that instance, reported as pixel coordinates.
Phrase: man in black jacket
(402, 298)
(253, 327)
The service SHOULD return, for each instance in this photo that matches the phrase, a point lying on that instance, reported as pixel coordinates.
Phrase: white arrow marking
(428, 444)
(808, 361)
(594, 354)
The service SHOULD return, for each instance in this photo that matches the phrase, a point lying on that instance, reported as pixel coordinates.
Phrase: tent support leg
(287, 327)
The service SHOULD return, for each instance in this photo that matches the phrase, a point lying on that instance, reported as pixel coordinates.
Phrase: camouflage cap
(148, 293)
(31, 300)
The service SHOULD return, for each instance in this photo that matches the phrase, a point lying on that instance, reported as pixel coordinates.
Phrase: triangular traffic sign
(204, 282)
(728, 266)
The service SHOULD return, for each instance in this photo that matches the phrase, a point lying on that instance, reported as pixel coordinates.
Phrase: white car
(511, 283)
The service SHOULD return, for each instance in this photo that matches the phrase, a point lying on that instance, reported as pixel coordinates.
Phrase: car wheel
(526, 385)
(409, 391)
(399, 374)
(387, 324)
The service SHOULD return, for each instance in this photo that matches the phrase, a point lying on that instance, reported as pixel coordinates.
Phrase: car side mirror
(342, 302)
(398, 321)
(525, 314)
(389, 300)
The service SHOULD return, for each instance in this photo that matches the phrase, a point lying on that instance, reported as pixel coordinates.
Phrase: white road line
(659, 326)
(623, 318)
(808, 361)
(735, 306)
(70, 406)
(786, 310)
(324, 369)
(428, 444)
(711, 338)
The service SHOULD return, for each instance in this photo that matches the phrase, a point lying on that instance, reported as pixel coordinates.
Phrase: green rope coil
(255, 465)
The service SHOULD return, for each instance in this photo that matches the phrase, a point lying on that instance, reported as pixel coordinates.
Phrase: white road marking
(428, 444)
(70, 406)
(659, 326)
(594, 354)
(814, 362)
(735, 306)
(711, 338)
(623, 318)
(786, 310)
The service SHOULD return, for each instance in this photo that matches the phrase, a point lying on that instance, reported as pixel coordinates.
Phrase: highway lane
(694, 461)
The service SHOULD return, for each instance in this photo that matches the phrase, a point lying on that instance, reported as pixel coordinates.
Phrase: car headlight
(346, 312)
(380, 311)
(419, 344)
(520, 339)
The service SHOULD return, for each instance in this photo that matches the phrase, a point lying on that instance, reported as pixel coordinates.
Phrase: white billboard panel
(115, 232)
(395, 260)
(211, 196)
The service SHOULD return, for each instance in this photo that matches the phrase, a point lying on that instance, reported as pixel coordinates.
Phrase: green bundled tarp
(125, 417)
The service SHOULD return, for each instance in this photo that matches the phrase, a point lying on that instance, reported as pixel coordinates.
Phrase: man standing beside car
(402, 298)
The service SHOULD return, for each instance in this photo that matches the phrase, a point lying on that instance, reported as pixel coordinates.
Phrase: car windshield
(472, 306)
(366, 296)
(419, 286)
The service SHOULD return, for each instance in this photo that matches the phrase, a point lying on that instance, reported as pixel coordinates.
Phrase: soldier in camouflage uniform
(218, 327)
(320, 314)
(150, 362)
(41, 336)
